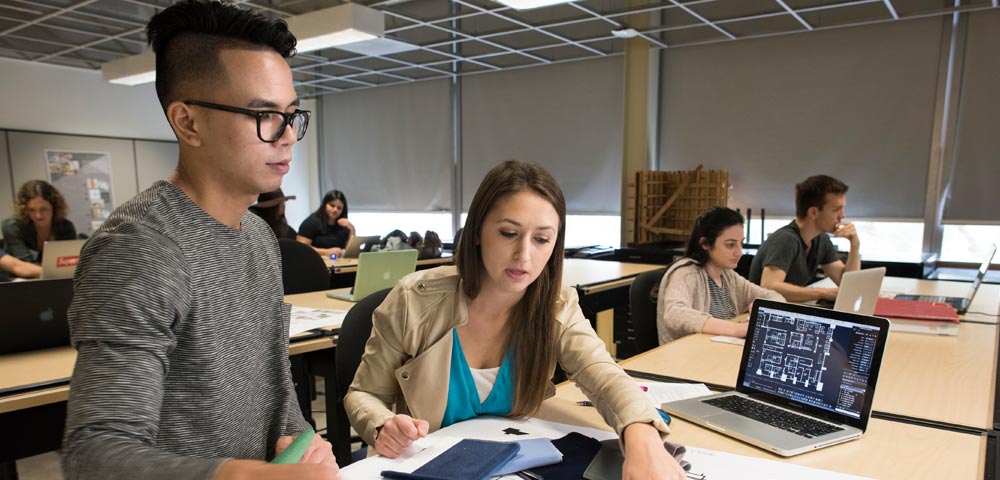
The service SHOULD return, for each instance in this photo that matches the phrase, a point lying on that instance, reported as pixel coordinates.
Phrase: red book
(915, 309)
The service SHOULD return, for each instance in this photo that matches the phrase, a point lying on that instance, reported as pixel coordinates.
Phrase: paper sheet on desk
(670, 392)
(483, 428)
(715, 465)
(304, 319)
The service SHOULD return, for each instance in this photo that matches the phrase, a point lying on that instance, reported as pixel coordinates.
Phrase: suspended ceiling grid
(454, 37)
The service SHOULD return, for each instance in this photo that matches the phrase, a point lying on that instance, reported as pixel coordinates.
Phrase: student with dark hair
(182, 369)
(787, 261)
(701, 292)
(39, 216)
(327, 230)
(492, 329)
(271, 207)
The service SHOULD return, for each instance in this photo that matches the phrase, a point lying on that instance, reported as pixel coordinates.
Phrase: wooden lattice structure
(667, 203)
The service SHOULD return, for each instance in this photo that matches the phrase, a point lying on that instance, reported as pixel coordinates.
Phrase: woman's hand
(645, 456)
(398, 433)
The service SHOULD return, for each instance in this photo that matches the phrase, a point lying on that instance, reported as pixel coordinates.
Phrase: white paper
(482, 428)
(721, 465)
(729, 340)
(305, 319)
(670, 392)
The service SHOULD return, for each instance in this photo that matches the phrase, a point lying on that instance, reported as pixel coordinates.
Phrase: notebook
(378, 271)
(806, 380)
(35, 314)
(356, 244)
(918, 310)
(859, 291)
(60, 257)
(961, 304)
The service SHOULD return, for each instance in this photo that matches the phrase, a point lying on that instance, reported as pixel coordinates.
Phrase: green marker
(296, 449)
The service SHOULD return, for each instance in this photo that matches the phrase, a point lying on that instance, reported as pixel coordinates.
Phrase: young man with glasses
(177, 315)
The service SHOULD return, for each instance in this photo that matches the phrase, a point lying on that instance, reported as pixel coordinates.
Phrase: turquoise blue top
(463, 399)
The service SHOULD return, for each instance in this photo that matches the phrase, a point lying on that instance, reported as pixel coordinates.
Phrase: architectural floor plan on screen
(794, 350)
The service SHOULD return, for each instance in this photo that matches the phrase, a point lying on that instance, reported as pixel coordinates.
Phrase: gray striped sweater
(182, 336)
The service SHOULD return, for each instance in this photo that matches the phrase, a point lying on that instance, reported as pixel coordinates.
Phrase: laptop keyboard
(776, 417)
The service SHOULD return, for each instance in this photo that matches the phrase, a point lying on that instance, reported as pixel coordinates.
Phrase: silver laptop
(960, 303)
(378, 271)
(357, 243)
(859, 291)
(806, 380)
(59, 258)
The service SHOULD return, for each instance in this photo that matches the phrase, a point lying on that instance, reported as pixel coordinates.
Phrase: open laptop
(378, 271)
(35, 314)
(960, 303)
(806, 380)
(859, 291)
(59, 258)
(357, 243)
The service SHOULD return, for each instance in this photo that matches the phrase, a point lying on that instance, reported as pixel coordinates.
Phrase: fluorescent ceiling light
(341, 25)
(335, 26)
(529, 4)
(131, 70)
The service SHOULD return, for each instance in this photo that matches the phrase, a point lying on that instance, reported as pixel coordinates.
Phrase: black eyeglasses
(271, 124)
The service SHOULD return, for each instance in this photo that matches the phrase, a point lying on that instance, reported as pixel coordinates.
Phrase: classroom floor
(46, 466)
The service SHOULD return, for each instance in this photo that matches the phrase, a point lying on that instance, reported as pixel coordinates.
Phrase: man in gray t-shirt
(178, 315)
(787, 261)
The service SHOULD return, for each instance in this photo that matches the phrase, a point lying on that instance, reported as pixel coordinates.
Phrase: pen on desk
(529, 475)
(584, 403)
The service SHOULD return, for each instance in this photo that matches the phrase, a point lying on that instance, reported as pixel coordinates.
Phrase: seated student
(787, 261)
(17, 268)
(491, 329)
(327, 230)
(39, 216)
(182, 368)
(271, 207)
(701, 292)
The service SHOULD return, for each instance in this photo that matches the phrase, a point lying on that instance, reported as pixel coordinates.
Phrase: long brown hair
(533, 319)
(45, 191)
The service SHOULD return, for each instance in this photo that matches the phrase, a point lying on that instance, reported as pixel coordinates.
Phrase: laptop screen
(819, 360)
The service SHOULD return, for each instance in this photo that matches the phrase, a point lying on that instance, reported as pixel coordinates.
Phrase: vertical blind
(389, 148)
(977, 148)
(856, 104)
(566, 117)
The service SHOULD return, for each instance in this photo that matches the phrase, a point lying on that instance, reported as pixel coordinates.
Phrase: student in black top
(787, 261)
(327, 230)
(271, 207)
(39, 216)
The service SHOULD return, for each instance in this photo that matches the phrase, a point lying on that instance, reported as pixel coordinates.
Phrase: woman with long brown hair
(39, 216)
(492, 329)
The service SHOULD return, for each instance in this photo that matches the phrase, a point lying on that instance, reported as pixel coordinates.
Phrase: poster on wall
(84, 178)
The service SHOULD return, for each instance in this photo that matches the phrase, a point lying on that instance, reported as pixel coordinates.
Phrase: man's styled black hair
(188, 36)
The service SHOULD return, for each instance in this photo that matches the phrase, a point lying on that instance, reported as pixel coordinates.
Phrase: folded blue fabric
(534, 452)
(466, 460)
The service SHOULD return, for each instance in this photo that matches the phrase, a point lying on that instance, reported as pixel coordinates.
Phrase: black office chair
(642, 300)
(302, 269)
(354, 333)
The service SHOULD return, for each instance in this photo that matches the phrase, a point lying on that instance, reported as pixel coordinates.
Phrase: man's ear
(185, 123)
(813, 212)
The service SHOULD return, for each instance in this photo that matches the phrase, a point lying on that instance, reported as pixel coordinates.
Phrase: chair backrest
(642, 301)
(302, 269)
(351, 341)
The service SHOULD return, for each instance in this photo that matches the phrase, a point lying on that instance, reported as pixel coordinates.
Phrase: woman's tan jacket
(407, 360)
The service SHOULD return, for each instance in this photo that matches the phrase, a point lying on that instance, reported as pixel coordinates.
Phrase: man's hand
(398, 433)
(846, 230)
(319, 450)
(255, 470)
